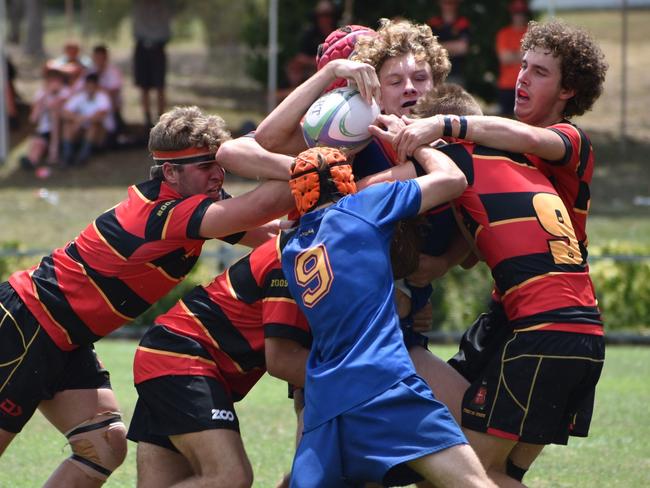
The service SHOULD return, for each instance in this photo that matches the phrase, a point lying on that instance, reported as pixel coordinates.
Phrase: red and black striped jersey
(571, 176)
(125, 260)
(525, 234)
(218, 330)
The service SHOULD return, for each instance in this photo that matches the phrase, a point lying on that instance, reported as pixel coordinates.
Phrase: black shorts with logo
(173, 405)
(538, 388)
(33, 368)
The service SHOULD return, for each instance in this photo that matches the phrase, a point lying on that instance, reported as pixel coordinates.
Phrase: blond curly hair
(396, 38)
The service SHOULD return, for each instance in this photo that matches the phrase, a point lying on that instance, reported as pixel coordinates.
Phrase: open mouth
(522, 95)
(409, 103)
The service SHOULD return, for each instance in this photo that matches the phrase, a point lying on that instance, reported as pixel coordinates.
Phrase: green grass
(615, 454)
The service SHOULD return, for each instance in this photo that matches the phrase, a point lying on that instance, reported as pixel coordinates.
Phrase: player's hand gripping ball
(340, 44)
(340, 119)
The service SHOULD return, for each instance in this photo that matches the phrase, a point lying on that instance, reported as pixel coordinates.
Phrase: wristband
(463, 127)
(447, 130)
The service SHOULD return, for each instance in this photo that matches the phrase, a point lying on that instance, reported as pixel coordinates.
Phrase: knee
(242, 478)
(98, 445)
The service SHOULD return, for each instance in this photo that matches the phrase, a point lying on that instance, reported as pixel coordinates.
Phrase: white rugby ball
(340, 119)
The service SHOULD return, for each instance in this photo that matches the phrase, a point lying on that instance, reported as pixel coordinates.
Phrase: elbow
(265, 140)
(227, 153)
(458, 184)
(276, 370)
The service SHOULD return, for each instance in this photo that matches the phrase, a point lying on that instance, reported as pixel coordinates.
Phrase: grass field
(615, 455)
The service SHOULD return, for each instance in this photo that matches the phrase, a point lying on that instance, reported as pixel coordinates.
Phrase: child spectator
(46, 114)
(87, 119)
(110, 80)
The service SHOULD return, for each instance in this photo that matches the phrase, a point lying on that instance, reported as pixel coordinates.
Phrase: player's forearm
(280, 131)
(261, 234)
(286, 360)
(443, 181)
(270, 200)
(514, 136)
(245, 157)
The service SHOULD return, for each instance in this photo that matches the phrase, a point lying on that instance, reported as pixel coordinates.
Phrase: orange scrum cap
(320, 175)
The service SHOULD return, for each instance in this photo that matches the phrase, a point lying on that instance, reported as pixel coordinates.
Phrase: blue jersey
(337, 263)
(436, 236)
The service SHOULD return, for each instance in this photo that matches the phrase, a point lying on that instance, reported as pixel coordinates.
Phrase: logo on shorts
(480, 397)
(222, 415)
(10, 408)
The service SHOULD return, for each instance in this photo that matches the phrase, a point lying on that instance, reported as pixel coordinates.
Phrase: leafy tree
(486, 17)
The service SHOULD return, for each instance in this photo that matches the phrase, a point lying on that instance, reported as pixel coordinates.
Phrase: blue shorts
(372, 441)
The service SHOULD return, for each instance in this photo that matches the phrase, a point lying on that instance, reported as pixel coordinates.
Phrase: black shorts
(33, 368)
(480, 342)
(538, 388)
(173, 405)
(149, 64)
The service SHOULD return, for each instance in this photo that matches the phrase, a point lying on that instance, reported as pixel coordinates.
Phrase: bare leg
(55, 137)
(158, 466)
(162, 100)
(457, 466)
(146, 106)
(67, 410)
(493, 452)
(5, 439)
(217, 458)
(447, 384)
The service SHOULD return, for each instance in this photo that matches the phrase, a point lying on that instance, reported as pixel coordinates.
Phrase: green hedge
(622, 287)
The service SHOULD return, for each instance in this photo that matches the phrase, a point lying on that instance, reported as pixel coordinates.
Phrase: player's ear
(566, 94)
(170, 173)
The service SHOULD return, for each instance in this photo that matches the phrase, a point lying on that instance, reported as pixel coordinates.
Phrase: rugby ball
(339, 119)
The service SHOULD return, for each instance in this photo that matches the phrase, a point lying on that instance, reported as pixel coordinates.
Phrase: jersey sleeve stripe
(194, 222)
(284, 331)
(158, 220)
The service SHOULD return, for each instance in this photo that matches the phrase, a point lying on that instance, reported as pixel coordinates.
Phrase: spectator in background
(152, 31)
(46, 114)
(303, 64)
(11, 96)
(110, 80)
(508, 48)
(87, 119)
(453, 31)
(72, 62)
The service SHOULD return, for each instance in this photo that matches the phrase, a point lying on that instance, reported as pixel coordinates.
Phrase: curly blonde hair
(581, 59)
(396, 38)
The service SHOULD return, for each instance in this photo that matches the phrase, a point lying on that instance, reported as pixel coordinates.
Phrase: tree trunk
(34, 40)
(15, 14)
